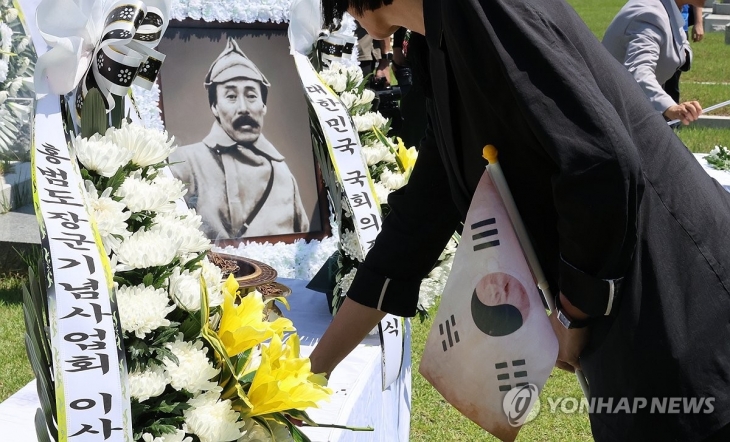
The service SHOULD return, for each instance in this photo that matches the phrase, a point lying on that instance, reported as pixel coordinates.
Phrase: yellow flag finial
(490, 153)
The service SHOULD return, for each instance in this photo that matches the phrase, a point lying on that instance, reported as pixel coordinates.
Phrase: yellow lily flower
(284, 381)
(407, 157)
(242, 326)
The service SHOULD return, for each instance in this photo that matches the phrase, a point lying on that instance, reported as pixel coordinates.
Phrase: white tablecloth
(358, 399)
(721, 176)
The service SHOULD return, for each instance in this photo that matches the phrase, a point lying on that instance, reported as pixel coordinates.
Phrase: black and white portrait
(233, 101)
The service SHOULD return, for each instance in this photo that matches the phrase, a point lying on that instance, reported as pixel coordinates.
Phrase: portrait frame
(181, 108)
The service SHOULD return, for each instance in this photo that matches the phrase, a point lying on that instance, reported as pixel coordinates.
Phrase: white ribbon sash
(351, 174)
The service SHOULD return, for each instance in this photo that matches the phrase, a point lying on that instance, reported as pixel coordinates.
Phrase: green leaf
(164, 353)
(191, 326)
(148, 280)
(40, 427)
(117, 114)
(45, 389)
(168, 334)
(93, 114)
(193, 263)
(296, 433)
(117, 179)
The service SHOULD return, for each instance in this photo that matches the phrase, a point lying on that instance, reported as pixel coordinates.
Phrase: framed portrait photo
(231, 96)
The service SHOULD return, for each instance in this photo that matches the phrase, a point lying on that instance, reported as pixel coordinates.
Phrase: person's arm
(698, 29)
(422, 218)
(383, 68)
(642, 55)
(597, 184)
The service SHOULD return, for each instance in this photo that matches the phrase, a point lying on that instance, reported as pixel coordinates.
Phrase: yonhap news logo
(521, 404)
(624, 405)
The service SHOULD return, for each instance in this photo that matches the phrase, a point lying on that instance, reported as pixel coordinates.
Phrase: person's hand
(383, 71)
(571, 341)
(686, 112)
(698, 31)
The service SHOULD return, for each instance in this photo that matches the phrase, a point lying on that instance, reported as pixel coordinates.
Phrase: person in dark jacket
(629, 229)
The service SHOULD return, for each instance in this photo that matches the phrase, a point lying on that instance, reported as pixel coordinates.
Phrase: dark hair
(332, 10)
(213, 94)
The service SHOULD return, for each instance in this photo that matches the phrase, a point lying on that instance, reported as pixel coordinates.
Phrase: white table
(358, 399)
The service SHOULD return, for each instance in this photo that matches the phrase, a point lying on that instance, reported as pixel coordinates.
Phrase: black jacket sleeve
(421, 220)
(560, 75)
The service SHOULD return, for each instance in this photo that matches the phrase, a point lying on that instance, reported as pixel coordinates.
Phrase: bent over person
(629, 229)
(237, 181)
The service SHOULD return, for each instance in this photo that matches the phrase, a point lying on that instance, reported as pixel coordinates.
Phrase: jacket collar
(219, 139)
(676, 21)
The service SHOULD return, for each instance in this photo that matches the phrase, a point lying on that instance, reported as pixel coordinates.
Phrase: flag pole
(495, 172)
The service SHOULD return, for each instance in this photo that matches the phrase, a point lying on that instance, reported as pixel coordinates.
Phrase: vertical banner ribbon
(351, 174)
(107, 45)
(92, 396)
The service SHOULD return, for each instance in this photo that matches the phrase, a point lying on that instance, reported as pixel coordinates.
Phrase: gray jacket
(648, 37)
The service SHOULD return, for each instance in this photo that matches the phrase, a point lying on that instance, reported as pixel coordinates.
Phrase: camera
(387, 101)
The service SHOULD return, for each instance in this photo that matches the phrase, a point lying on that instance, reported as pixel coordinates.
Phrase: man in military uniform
(237, 180)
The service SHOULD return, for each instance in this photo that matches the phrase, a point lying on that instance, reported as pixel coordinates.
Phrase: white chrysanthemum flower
(142, 195)
(366, 97)
(213, 277)
(346, 281)
(212, 419)
(449, 250)
(335, 80)
(375, 153)
(186, 225)
(393, 180)
(351, 245)
(110, 216)
(185, 289)
(170, 186)
(369, 121)
(381, 192)
(14, 86)
(146, 249)
(143, 309)
(4, 68)
(6, 34)
(177, 436)
(148, 146)
(349, 99)
(22, 44)
(354, 73)
(254, 432)
(148, 383)
(11, 14)
(101, 155)
(194, 371)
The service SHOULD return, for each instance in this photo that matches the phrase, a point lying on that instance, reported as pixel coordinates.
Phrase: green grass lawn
(15, 370)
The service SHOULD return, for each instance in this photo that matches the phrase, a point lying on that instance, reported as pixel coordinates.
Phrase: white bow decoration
(99, 44)
(306, 31)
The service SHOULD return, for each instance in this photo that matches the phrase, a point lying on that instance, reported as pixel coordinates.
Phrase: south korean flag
(491, 348)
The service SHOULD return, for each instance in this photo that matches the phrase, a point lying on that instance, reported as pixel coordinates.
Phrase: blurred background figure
(648, 38)
(692, 16)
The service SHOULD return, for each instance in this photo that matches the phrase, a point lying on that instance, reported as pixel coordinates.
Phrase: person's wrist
(572, 310)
